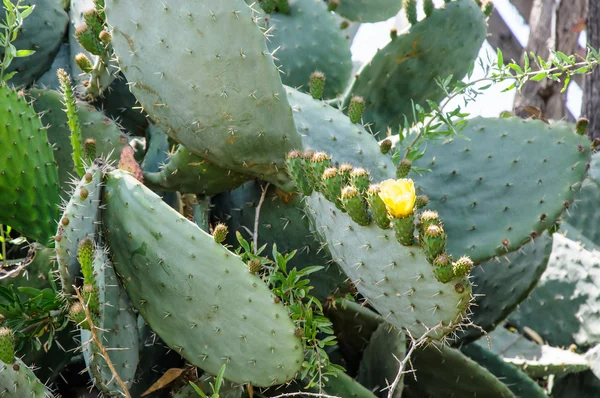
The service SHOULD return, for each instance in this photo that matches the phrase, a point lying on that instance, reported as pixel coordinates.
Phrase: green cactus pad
(94, 124)
(582, 215)
(220, 95)
(19, 381)
(282, 222)
(507, 183)
(368, 10)
(194, 293)
(500, 284)
(379, 365)
(442, 371)
(533, 359)
(78, 221)
(518, 382)
(407, 67)
(308, 39)
(562, 309)
(580, 385)
(345, 386)
(324, 128)
(189, 173)
(397, 280)
(29, 191)
(43, 32)
(117, 329)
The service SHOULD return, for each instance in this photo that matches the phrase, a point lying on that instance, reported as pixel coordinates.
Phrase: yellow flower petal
(399, 196)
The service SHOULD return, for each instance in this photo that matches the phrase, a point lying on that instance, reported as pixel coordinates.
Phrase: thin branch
(257, 215)
(306, 394)
(414, 344)
(101, 347)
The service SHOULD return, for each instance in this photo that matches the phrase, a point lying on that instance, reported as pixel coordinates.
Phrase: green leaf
(500, 59)
(197, 389)
(24, 53)
(539, 77)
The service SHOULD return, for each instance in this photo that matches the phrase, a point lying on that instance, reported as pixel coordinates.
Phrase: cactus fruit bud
(90, 296)
(283, 6)
(89, 149)
(462, 266)
(421, 201)
(89, 40)
(220, 233)
(77, 315)
(317, 84)
(7, 345)
(377, 206)
(105, 36)
(332, 186)
(84, 63)
(356, 109)
(296, 166)
(582, 125)
(443, 274)
(355, 206)
(318, 164)
(344, 170)
(459, 288)
(442, 260)
(268, 5)
(405, 229)
(434, 242)
(254, 266)
(428, 217)
(403, 168)
(410, 6)
(385, 146)
(332, 5)
(361, 179)
(85, 252)
(344, 25)
(428, 7)
(488, 8)
(393, 33)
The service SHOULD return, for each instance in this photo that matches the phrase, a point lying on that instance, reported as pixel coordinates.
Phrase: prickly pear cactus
(190, 288)
(233, 110)
(17, 381)
(365, 10)
(29, 191)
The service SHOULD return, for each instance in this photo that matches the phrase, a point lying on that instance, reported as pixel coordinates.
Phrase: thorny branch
(257, 216)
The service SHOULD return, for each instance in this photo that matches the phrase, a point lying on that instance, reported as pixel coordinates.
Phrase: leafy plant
(13, 20)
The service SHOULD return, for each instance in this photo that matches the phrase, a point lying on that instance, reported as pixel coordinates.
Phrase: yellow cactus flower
(399, 196)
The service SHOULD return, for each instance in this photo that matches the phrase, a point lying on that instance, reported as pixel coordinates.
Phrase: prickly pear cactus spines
(7, 345)
(77, 315)
(18, 381)
(190, 288)
(29, 191)
(462, 267)
(319, 162)
(332, 186)
(361, 179)
(296, 165)
(220, 233)
(233, 111)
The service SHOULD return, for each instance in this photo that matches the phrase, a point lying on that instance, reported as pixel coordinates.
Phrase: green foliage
(13, 20)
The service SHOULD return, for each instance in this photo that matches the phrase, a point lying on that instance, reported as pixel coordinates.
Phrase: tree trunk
(591, 97)
(552, 27)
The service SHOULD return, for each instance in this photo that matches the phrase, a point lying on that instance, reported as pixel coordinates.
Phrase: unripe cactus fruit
(405, 229)
(344, 171)
(84, 63)
(393, 33)
(89, 39)
(361, 179)
(356, 109)
(385, 146)
(410, 6)
(268, 5)
(318, 164)
(403, 168)
(254, 266)
(7, 345)
(105, 36)
(283, 6)
(332, 186)
(355, 206)
(488, 8)
(297, 169)
(77, 315)
(443, 274)
(85, 252)
(377, 206)
(582, 125)
(442, 260)
(220, 233)
(428, 7)
(89, 149)
(317, 84)
(428, 217)
(462, 266)
(434, 241)
(90, 296)
(421, 201)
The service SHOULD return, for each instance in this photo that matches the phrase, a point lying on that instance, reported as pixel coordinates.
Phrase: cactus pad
(507, 183)
(29, 191)
(18, 381)
(368, 10)
(190, 289)
(562, 309)
(298, 38)
(407, 67)
(220, 94)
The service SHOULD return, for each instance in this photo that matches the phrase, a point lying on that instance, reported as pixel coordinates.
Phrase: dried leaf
(167, 378)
